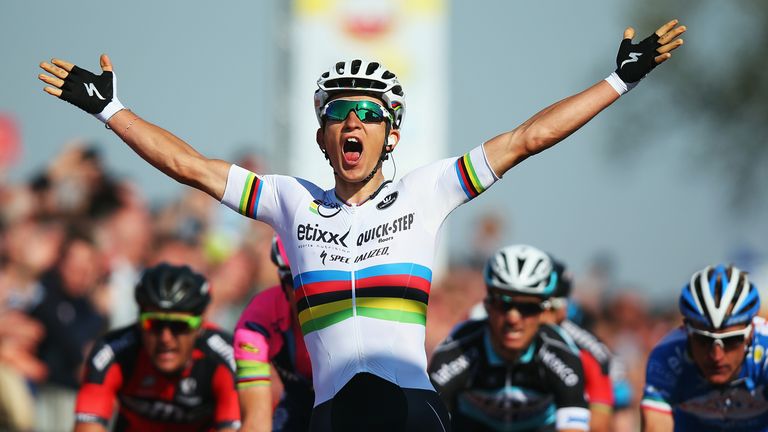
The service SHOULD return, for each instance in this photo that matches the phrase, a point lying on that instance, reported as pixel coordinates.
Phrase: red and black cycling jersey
(542, 391)
(119, 373)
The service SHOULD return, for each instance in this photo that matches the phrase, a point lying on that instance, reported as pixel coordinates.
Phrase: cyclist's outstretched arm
(656, 421)
(166, 152)
(556, 122)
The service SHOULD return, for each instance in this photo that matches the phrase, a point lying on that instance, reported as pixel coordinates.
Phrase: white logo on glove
(91, 89)
(633, 57)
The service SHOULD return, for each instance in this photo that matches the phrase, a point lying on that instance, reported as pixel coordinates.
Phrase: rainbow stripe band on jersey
(249, 202)
(393, 292)
(468, 177)
(251, 373)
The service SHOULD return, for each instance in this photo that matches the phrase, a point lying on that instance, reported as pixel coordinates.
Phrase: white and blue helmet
(719, 297)
(521, 270)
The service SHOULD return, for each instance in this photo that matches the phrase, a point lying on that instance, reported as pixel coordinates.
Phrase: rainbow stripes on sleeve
(473, 173)
(252, 373)
(394, 292)
(249, 201)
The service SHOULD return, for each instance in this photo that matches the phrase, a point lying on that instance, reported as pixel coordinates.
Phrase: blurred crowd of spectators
(74, 240)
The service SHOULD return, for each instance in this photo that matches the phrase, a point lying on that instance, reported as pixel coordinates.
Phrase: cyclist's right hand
(95, 94)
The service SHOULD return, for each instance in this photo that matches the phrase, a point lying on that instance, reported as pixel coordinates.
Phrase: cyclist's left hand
(634, 61)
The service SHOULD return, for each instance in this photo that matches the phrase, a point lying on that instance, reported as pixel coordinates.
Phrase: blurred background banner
(10, 142)
(410, 38)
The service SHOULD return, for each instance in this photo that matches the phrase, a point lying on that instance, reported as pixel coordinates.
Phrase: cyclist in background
(168, 372)
(268, 332)
(362, 252)
(711, 373)
(595, 356)
(509, 371)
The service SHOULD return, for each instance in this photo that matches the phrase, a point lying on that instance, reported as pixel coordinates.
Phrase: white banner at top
(407, 36)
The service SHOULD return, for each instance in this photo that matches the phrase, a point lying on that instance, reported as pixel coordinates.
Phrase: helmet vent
(398, 90)
(355, 67)
(372, 67)
(340, 68)
(325, 75)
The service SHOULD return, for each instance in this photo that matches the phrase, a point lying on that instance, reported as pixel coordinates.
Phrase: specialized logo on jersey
(387, 201)
(324, 209)
(385, 231)
(633, 57)
(313, 233)
(333, 258)
(383, 251)
(468, 177)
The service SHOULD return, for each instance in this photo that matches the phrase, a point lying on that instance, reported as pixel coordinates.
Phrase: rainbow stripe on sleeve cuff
(473, 173)
(249, 200)
(252, 373)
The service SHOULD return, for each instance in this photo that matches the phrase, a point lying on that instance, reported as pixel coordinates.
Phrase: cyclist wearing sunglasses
(595, 357)
(362, 252)
(268, 332)
(167, 372)
(510, 371)
(712, 373)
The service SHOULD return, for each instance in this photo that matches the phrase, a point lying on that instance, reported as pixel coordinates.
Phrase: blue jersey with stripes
(362, 273)
(674, 385)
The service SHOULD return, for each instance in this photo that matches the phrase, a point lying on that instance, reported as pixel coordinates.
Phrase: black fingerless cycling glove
(95, 94)
(634, 61)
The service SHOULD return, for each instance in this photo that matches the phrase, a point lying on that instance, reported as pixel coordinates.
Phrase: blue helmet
(719, 297)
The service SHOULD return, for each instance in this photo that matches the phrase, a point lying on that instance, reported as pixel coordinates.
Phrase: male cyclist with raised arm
(168, 372)
(711, 374)
(361, 253)
(510, 372)
(268, 332)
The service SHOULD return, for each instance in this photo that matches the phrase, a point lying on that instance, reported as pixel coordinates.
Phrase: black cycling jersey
(543, 390)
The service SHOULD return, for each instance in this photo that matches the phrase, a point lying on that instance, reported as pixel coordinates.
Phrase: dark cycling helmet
(564, 280)
(366, 78)
(173, 288)
(278, 255)
(719, 297)
(521, 269)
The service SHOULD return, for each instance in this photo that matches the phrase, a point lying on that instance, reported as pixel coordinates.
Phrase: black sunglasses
(505, 303)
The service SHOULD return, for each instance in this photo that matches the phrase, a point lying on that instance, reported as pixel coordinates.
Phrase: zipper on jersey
(353, 274)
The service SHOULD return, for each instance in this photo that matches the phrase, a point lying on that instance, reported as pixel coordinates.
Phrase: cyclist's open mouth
(353, 148)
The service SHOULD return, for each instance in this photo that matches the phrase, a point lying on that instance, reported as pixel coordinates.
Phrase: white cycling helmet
(521, 269)
(365, 77)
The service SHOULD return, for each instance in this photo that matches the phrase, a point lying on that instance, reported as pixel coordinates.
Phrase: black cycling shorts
(372, 404)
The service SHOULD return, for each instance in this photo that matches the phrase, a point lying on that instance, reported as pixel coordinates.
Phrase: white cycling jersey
(362, 273)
